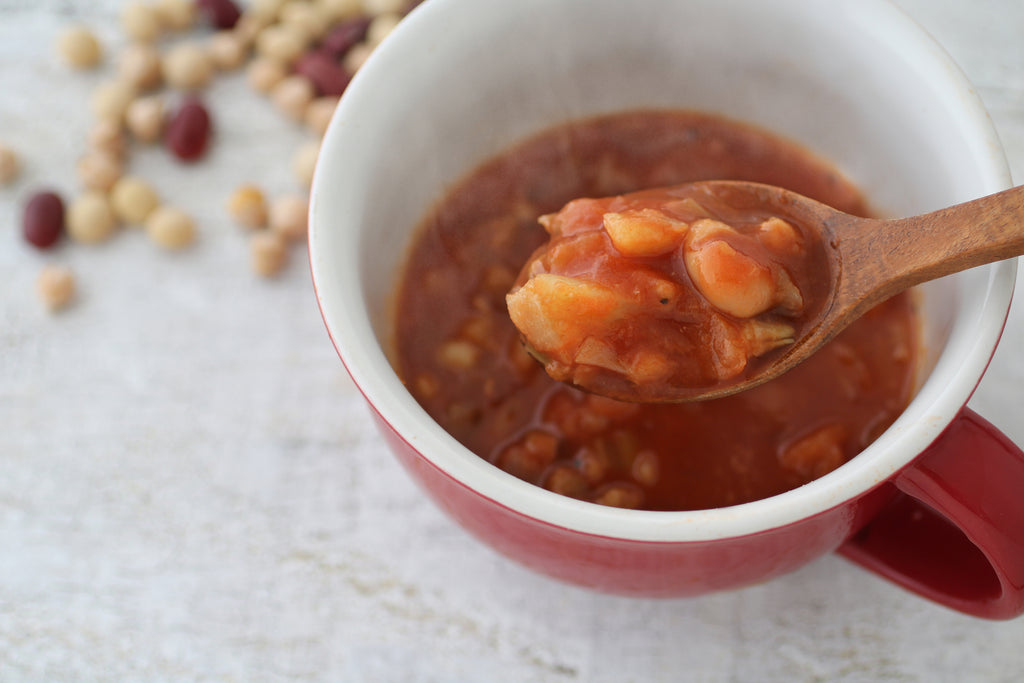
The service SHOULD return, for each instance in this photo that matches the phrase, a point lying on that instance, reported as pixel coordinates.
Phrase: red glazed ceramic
(935, 504)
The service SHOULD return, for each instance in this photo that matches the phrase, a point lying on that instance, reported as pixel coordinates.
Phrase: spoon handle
(905, 252)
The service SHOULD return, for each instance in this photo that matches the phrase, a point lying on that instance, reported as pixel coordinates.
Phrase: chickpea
(356, 57)
(267, 11)
(305, 17)
(458, 354)
(141, 21)
(288, 217)
(620, 496)
(264, 73)
(280, 42)
(730, 280)
(10, 165)
(381, 26)
(188, 67)
(79, 48)
(139, 66)
(319, 114)
(247, 28)
(144, 118)
(176, 15)
(383, 6)
(304, 162)
(106, 137)
(111, 99)
(56, 287)
(99, 171)
(566, 481)
(779, 236)
(292, 95)
(645, 468)
(227, 50)
(336, 10)
(269, 253)
(248, 206)
(133, 199)
(815, 454)
(90, 219)
(170, 228)
(644, 232)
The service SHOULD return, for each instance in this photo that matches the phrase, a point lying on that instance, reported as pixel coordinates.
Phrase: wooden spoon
(875, 259)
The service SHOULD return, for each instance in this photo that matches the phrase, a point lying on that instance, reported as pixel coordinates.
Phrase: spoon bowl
(874, 259)
(706, 289)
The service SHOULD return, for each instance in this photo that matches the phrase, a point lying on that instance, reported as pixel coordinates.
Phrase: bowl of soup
(475, 119)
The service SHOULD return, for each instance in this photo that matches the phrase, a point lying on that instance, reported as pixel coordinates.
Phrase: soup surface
(461, 357)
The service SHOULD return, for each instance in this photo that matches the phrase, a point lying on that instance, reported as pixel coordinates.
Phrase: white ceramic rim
(930, 413)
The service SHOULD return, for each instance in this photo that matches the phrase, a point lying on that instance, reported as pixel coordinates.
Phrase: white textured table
(190, 489)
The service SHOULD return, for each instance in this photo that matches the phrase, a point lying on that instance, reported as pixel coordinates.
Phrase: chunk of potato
(557, 312)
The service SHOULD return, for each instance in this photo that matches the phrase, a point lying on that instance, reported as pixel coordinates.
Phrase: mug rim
(365, 360)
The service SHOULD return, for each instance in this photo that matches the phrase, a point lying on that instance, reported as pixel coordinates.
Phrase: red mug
(936, 504)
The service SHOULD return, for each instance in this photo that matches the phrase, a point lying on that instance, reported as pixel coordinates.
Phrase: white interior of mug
(461, 80)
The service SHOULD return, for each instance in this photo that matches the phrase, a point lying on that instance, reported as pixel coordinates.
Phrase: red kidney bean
(344, 36)
(188, 131)
(324, 72)
(43, 220)
(222, 14)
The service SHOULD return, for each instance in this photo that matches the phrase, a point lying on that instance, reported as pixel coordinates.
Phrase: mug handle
(954, 532)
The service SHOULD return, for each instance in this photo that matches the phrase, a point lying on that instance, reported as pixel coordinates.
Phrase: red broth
(461, 357)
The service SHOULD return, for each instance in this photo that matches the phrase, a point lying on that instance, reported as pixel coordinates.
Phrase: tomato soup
(461, 357)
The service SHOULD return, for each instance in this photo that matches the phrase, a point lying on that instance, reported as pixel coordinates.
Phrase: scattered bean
(338, 10)
(170, 228)
(176, 15)
(43, 219)
(56, 287)
(288, 217)
(187, 66)
(222, 14)
(106, 137)
(10, 165)
(384, 6)
(79, 47)
(98, 170)
(381, 26)
(141, 21)
(323, 71)
(188, 131)
(90, 219)
(269, 253)
(305, 17)
(267, 11)
(319, 114)
(264, 73)
(227, 50)
(132, 200)
(111, 99)
(144, 118)
(248, 206)
(283, 43)
(304, 162)
(292, 95)
(345, 36)
(139, 65)
(356, 57)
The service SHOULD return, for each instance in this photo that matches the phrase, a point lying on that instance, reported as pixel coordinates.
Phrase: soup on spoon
(703, 290)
